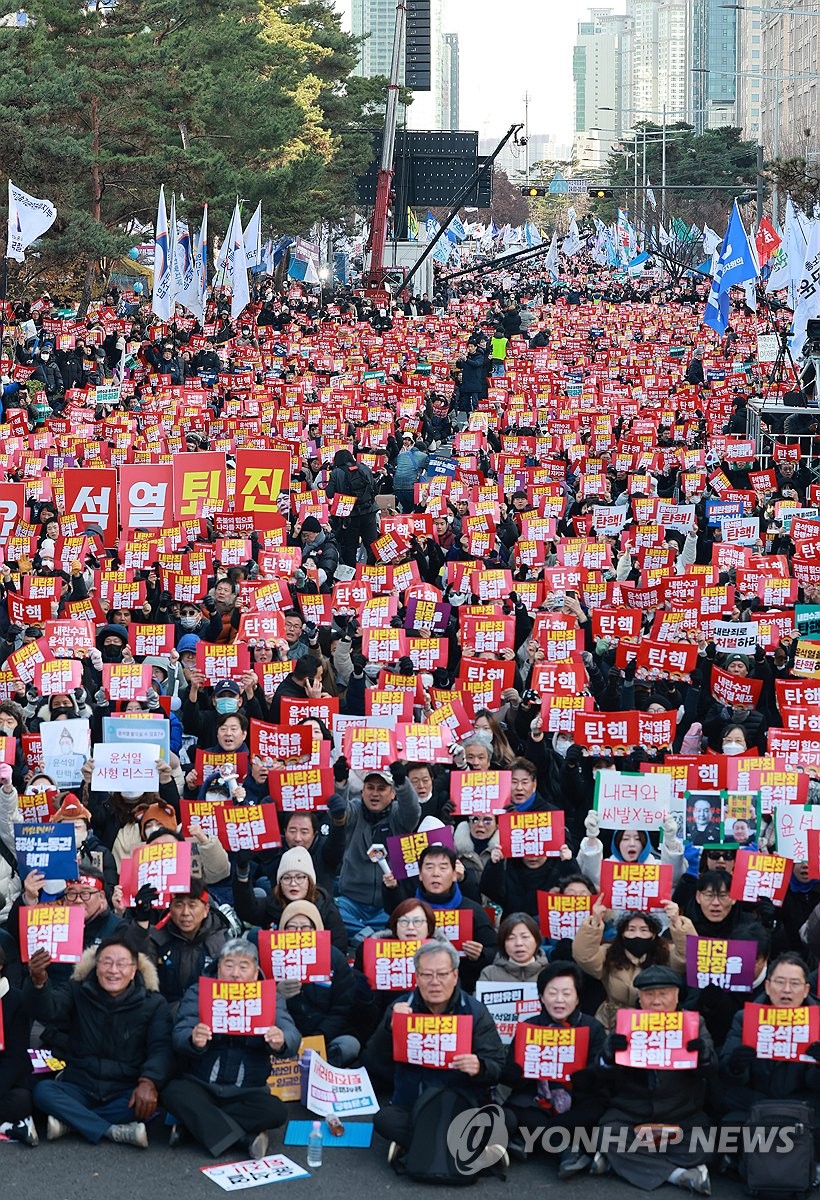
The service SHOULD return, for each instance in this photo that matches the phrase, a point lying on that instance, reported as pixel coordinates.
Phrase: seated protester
(91, 853)
(203, 717)
(295, 880)
(388, 807)
(592, 991)
(514, 883)
(799, 906)
(158, 821)
(117, 813)
(322, 838)
(637, 944)
(715, 913)
(185, 942)
(475, 839)
(433, 793)
(745, 1079)
(16, 1122)
(437, 991)
(520, 958)
(412, 920)
(100, 920)
(322, 1006)
(113, 1030)
(639, 1096)
(717, 1005)
(534, 1106)
(629, 845)
(437, 885)
(706, 858)
(221, 1096)
(10, 882)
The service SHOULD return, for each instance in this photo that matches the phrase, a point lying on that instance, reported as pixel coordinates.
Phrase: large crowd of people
(515, 672)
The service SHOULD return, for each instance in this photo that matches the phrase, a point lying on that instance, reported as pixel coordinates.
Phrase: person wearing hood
(637, 944)
(222, 1098)
(319, 551)
(10, 882)
(295, 881)
(349, 478)
(113, 1030)
(629, 845)
(536, 1106)
(520, 958)
(111, 646)
(475, 839)
(322, 1006)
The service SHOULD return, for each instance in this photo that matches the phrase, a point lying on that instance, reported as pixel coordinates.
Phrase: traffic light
(533, 191)
(603, 193)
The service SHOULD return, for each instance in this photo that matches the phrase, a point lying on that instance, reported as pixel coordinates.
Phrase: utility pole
(527, 135)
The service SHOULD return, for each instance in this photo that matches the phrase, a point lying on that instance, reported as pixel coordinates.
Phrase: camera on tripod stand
(811, 347)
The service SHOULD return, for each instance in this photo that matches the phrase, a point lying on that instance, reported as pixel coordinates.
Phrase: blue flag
(736, 265)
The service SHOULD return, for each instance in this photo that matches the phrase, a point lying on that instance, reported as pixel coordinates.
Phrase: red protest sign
(145, 495)
(479, 791)
(531, 834)
(760, 875)
(237, 1009)
(456, 924)
(388, 964)
(58, 677)
(90, 494)
(126, 681)
(280, 743)
(248, 827)
(430, 1040)
(369, 749)
(294, 954)
(261, 475)
(301, 789)
(199, 483)
(200, 813)
(781, 1034)
(735, 690)
(166, 866)
(293, 709)
(657, 1040)
(547, 1052)
(635, 887)
(560, 916)
(219, 662)
(150, 639)
(56, 928)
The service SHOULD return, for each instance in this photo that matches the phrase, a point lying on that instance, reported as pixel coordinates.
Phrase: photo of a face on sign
(703, 811)
(740, 819)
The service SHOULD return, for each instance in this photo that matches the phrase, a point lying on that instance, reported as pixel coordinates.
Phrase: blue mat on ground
(359, 1134)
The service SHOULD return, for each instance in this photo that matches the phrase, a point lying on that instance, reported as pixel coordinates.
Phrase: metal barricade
(764, 423)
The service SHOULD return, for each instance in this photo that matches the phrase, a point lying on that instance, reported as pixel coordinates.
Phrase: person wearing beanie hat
(738, 664)
(295, 882)
(320, 553)
(322, 1007)
(311, 525)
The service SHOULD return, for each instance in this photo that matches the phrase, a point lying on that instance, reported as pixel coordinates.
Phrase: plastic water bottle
(314, 1147)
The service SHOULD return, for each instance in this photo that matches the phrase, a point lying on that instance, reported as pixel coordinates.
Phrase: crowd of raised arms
(453, 659)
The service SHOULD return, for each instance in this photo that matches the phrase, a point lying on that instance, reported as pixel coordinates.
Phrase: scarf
(439, 901)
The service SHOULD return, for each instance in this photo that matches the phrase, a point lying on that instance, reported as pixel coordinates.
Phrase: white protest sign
(118, 767)
(508, 1003)
(791, 824)
(253, 1172)
(628, 801)
(735, 638)
(740, 531)
(675, 516)
(332, 1091)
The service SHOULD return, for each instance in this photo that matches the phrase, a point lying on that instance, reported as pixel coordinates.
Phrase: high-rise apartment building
(789, 84)
(449, 99)
(713, 63)
(375, 21)
(601, 75)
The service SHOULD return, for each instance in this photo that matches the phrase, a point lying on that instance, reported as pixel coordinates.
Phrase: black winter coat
(326, 1008)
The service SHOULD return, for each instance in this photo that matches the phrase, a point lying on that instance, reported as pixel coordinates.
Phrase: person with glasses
(113, 1029)
(295, 880)
(709, 858)
(715, 913)
(475, 839)
(745, 1079)
(437, 991)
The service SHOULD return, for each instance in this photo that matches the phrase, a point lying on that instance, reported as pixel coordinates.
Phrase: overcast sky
(509, 48)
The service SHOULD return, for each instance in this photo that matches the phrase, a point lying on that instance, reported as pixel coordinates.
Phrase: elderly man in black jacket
(114, 1031)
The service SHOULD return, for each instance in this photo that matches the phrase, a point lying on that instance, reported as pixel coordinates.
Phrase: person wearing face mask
(48, 372)
(202, 719)
(637, 944)
(92, 854)
(734, 740)
(752, 721)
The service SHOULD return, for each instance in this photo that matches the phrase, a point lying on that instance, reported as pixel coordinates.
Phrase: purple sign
(720, 962)
(403, 851)
(427, 617)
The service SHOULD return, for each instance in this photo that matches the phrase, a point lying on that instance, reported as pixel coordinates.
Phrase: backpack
(360, 485)
(776, 1170)
(428, 1158)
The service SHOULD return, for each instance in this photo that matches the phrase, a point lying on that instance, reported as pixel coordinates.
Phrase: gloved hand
(696, 678)
(698, 1045)
(352, 626)
(670, 828)
(591, 824)
(399, 772)
(742, 1058)
(100, 698)
(448, 809)
(209, 604)
(813, 1051)
(766, 912)
(341, 620)
(692, 739)
(359, 663)
(242, 862)
(614, 1044)
(406, 665)
(629, 670)
(341, 769)
(574, 756)
(289, 988)
(153, 700)
(95, 658)
(143, 902)
(337, 805)
(311, 631)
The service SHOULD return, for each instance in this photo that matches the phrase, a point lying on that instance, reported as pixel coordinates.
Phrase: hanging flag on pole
(176, 273)
(253, 239)
(235, 264)
(161, 299)
(412, 226)
(735, 266)
(650, 195)
(28, 219)
(552, 263)
(808, 293)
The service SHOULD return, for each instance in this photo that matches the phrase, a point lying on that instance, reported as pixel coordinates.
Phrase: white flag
(552, 263)
(161, 301)
(189, 292)
(236, 268)
(572, 242)
(663, 237)
(253, 239)
(650, 195)
(711, 240)
(808, 297)
(28, 218)
(201, 263)
(177, 283)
